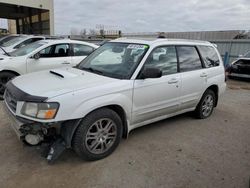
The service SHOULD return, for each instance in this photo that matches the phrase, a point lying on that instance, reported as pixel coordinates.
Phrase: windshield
(7, 38)
(27, 49)
(116, 60)
(13, 41)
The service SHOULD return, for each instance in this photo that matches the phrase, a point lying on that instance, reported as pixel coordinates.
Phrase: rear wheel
(98, 135)
(206, 105)
(4, 78)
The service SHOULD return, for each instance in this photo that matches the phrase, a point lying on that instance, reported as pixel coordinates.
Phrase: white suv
(119, 87)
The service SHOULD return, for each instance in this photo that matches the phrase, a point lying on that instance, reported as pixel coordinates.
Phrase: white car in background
(41, 55)
(18, 42)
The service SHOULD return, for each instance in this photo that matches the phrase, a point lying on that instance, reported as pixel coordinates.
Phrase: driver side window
(163, 58)
(58, 50)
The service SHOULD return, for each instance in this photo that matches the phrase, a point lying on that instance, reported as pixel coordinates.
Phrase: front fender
(112, 99)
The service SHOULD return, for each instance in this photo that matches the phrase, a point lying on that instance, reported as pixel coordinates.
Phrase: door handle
(66, 63)
(203, 74)
(173, 81)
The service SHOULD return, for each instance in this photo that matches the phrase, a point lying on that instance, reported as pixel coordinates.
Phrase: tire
(92, 141)
(206, 105)
(4, 78)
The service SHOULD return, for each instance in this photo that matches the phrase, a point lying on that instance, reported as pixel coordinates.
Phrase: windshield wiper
(5, 51)
(92, 70)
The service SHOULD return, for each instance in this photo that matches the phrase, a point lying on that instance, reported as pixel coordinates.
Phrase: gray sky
(152, 15)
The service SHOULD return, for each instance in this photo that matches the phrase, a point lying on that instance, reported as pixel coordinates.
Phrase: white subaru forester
(124, 84)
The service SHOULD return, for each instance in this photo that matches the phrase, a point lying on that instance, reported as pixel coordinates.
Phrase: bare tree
(74, 31)
(83, 32)
(92, 32)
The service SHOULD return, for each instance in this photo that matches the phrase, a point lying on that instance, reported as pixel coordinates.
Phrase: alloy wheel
(207, 105)
(100, 136)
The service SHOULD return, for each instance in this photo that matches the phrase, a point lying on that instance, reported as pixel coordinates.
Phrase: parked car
(7, 38)
(240, 68)
(18, 42)
(117, 88)
(41, 55)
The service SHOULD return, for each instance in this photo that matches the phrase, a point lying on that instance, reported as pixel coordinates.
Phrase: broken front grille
(10, 100)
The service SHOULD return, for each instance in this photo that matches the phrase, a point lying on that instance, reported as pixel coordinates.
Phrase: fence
(231, 49)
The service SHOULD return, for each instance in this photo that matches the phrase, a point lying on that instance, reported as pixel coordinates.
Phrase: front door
(157, 97)
(51, 57)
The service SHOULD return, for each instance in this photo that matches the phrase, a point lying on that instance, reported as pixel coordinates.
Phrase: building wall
(37, 4)
(12, 26)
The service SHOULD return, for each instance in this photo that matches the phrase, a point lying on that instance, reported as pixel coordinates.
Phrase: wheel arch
(69, 128)
(10, 71)
(121, 113)
(215, 89)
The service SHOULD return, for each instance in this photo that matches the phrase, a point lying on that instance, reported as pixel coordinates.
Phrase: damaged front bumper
(55, 137)
(14, 122)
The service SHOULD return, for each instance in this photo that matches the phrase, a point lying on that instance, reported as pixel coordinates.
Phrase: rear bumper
(14, 122)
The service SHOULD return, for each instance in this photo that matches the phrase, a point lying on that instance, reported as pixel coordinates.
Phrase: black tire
(199, 111)
(4, 78)
(81, 144)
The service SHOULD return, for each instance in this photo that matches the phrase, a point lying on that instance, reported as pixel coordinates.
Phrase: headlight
(40, 110)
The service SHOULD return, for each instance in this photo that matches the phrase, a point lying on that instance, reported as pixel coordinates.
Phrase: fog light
(33, 139)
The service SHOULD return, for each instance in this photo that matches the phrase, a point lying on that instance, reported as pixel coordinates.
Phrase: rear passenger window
(82, 50)
(189, 58)
(209, 56)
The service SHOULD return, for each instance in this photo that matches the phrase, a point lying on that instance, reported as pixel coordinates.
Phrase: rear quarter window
(209, 56)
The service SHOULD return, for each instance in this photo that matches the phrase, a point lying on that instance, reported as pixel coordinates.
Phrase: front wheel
(98, 135)
(206, 105)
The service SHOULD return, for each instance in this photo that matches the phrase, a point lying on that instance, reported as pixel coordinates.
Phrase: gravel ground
(179, 152)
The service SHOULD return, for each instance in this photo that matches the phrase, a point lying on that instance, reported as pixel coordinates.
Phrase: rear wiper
(5, 51)
(92, 70)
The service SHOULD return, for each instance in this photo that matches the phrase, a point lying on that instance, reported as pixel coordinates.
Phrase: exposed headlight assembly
(40, 110)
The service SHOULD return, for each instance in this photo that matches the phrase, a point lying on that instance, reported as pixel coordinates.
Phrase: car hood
(52, 83)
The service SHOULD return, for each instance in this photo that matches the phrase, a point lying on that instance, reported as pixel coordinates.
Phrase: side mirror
(36, 56)
(151, 73)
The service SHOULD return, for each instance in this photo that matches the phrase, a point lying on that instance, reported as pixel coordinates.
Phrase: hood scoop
(63, 73)
(56, 73)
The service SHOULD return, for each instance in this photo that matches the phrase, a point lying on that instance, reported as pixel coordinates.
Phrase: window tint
(45, 52)
(82, 50)
(163, 58)
(59, 50)
(188, 58)
(209, 56)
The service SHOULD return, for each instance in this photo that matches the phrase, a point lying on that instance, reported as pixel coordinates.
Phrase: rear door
(193, 76)
(157, 97)
(80, 52)
(53, 56)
